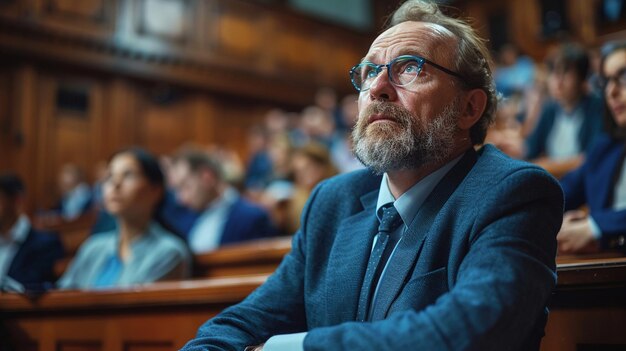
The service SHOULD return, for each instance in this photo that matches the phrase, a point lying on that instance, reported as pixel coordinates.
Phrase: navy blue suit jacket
(33, 263)
(589, 130)
(592, 184)
(473, 271)
(246, 221)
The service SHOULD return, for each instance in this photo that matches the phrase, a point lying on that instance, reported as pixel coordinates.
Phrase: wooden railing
(161, 316)
(588, 309)
(259, 256)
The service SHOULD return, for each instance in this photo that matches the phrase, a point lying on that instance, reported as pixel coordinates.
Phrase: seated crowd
(154, 215)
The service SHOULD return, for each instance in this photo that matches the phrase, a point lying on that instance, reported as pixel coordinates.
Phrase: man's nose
(382, 88)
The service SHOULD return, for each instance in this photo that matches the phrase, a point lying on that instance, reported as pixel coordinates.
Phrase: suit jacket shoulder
(33, 264)
(246, 221)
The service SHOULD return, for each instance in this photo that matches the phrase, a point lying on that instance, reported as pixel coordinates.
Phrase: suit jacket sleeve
(33, 264)
(276, 307)
(612, 224)
(573, 184)
(501, 287)
(536, 141)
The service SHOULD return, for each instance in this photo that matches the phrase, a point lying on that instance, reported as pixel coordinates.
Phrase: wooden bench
(252, 257)
(588, 312)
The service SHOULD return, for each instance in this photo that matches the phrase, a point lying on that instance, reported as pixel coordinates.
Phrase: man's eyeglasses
(402, 71)
(619, 79)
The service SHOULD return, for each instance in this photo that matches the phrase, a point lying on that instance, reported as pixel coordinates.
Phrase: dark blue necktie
(384, 245)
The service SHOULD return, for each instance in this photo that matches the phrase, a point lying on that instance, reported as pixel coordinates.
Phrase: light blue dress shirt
(11, 242)
(562, 141)
(207, 232)
(408, 204)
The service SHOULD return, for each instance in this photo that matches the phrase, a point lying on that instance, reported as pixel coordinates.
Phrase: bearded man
(440, 245)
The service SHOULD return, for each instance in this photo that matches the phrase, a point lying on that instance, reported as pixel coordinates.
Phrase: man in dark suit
(26, 255)
(464, 257)
(224, 217)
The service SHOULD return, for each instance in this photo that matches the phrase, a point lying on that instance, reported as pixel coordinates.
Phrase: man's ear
(472, 108)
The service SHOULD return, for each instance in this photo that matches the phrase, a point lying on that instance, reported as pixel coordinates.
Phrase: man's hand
(576, 235)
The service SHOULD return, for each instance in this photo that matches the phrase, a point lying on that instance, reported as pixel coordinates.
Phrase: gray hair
(472, 60)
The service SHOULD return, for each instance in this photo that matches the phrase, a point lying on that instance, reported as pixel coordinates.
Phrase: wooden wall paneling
(297, 47)
(92, 19)
(338, 55)
(119, 121)
(205, 121)
(166, 118)
(194, 60)
(525, 25)
(237, 30)
(27, 123)
(46, 161)
(16, 8)
(8, 119)
(232, 124)
(161, 27)
(66, 135)
(582, 14)
(479, 13)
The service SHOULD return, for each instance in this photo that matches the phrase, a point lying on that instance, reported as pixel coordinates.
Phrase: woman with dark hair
(141, 249)
(600, 183)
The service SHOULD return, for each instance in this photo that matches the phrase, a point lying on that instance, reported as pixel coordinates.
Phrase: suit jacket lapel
(348, 260)
(403, 259)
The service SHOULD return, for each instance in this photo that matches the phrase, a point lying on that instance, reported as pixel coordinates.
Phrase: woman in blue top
(142, 249)
(600, 183)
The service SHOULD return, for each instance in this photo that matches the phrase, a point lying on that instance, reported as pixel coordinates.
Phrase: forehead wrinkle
(429, 40)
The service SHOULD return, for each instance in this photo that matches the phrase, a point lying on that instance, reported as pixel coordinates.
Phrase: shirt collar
(225, 200)
(410, 202)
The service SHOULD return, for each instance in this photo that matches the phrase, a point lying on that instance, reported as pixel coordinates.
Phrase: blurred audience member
(225, 216)
(280, 151)
(514, 73)
(311, 165)
(568, 125)
(506, 132)
(177, 216)
(326, 99)
(341, 149)
(233, 170)
(533, 101)
(259, 168)
(100, 173)
(27, 255)
(143, 248)
(600, 183)
(317, 125)
(76, 194)
(276, 199)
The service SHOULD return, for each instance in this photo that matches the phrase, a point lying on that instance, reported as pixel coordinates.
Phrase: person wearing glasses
(600, 183)
(436, 246)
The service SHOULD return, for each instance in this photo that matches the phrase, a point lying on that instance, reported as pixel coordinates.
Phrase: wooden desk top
(269, 250)
(191, 292)
(573, 272)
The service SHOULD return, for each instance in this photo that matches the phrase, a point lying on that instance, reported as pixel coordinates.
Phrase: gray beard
(410, 144)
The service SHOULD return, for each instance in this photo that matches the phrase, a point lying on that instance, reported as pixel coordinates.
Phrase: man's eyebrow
(412, 52)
